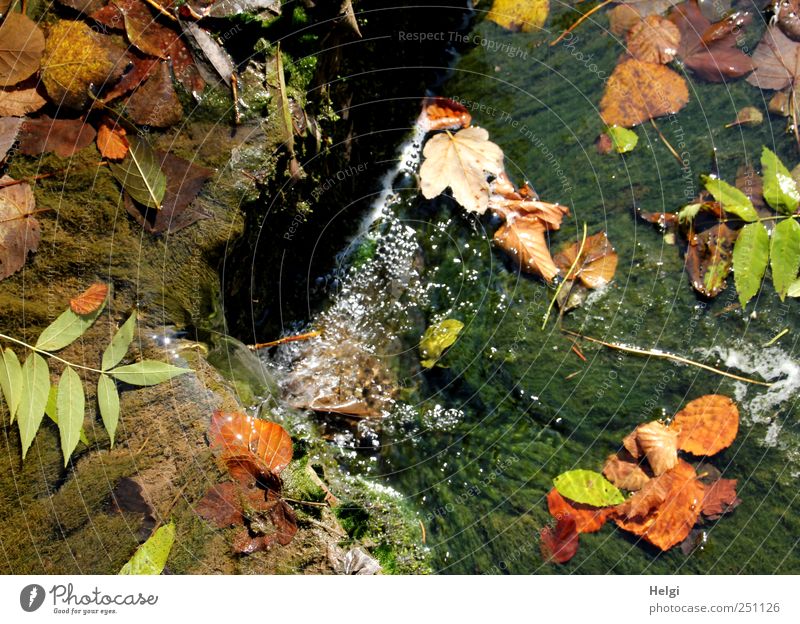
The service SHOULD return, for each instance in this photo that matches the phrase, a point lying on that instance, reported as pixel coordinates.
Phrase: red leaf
(221, 505)
(559, 543)
(90, 299)
(720, 498)
(267, 443)
(439, 113)
(588, 519)
(64, 137)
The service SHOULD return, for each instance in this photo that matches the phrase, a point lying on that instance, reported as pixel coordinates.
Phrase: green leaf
(51, 412)
(437, 339)
(794, 289)
(66, 329)
(732, 199)
(623, 140)
(780, 189)
(70, 409)
(146, 372)
(108, 400)
(689, 212)
(140, 174)
(151, 557)
(119, 343)
(35, 391)
(588, 487)
(785, 255)
(11, 380)
(750, 259)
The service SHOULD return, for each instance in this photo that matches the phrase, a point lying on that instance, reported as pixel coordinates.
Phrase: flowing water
(474, 445)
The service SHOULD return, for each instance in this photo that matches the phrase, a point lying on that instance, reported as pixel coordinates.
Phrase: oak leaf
(90, 299)
(63, 137)
(19, 231)
(657, 443)
(21, 48)
(240, 435)
(440, 113)
(588, 519)
(625, 472)
(560, 542)
(596, 265)
(720, 498)
(706, 425)
(654, 39)
(461, 161)
(637, 91)
(524, 238)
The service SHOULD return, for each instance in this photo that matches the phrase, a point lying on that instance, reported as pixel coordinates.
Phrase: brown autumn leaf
(21, 48)
(237, 434)
(637, 91)
(111, 140)
(19, 231)
(184, 182)
(21, 99)
(706, 425)
(625, 472)
(560, 542)
(719, 498)
(84, 6)
(654, 39)
(9, 129)
(90, 299)
(622, 18)
(776, 60)
(221, 505)
(440, 113)
(461, 161)
(657, 443)
(787, 16)
(596, 265)
(63, 137)
(588, 519)
(155, 102)
(138, 71)
(524, 238)
(709, 50)
(664, 511)
(709, 257)
(551, 214)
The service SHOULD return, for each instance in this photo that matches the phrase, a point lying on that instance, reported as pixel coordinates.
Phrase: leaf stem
(581, 19)
(48, 354)
(668, 145)
(564, 281)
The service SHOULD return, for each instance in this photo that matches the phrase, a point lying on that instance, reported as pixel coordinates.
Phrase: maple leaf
(654, 39)
(588, 519)
(706, 425)
(657, 443)
(524, 238)
(461, 161)
(19, 231)
(720, 498)
(559, 543)
(63, 137)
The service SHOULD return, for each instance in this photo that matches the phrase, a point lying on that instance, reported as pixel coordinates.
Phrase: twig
(321, 525)
(576, 350)
(667, 143)
(564, 281)
(301, 502)
(665, 356)
(581, 19)
(161, 10)
(777, 337)
(284, 340)
(422, 527)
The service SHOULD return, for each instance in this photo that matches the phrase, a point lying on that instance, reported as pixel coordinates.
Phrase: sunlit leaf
(240, 435)
(33, 399)
(623, 140)
(689, 212)
(89, 300)
(519, 15)
(108, 401)
(70, 410)
(706, 425)
(780, 189)
(11, 380)
(51, 411)
(657, 443)
(784, 255)
(66, 329)
(441, 113)
(588, 518)
(750, 259)
(118, 347)
(139, 173)
(625, 472)
(525, 239)
(151, 557)
(588, 487)
(654, 39)
(146, 372)
(596, 265)
(732, 199)
(437, 339)
(719, 498)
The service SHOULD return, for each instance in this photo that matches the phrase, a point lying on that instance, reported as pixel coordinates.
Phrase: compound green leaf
(588, 487)
(732, 199)
(108, 400)
(66, 329)
(750, 259)
(785, 255)
(11, 380)
(35, 392)
(51, 411)
(119, 343)
(151, 557)
(146, 372)
(780, 189)
(70, 403)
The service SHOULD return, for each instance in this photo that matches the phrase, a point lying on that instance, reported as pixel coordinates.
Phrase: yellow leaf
(519, 15)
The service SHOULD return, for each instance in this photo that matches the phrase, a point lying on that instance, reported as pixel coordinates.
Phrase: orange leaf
(664, 511)
(524, 238)
(624, 472)
(588, 519)
(638, 91)
(267, 443)
(706, 425)
(597, 264)
(551, 214)
(654, 39)
(657, 443)
(440, 113)
(111, 141)
(720, 498)
(559, 543)
(90, 299)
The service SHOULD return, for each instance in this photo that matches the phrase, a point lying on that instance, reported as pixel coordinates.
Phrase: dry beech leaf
(706, 425)
(719, 498)
(588, 519)
(625, 472)
(638, 91)
(238, 434)
(439, 113)
(560, 542)
(21, 99)
(461, 161)
(63, 137)
(111, 141)
(654, 39)
(524, 238)
(595, 267)
(551, 214)
(21, 48)
(622, 18)
(90, 299)
(776, 60)
(664, 511)
(657, 443)
(19, 231)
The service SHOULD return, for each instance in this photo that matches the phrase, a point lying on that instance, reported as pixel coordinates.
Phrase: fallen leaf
(9, 129)
(221, 505)
(588, 519)
(622, 18)
(462, 162)
(90, 299)
(155, 102)
(271, 522)
(621, 140)
(213, 61)
(720, 498)
(596, 265)
(706, 425)
(238, 434)
(747, 116)
(664, 511)
(709, 257)
(637, 91)
(519, 15)
(151, 557)
(437, 339)
(524, 238)
(84, 6)
(787, 17)
(625, 472)
(509, 209)
(587, 487)
(21, 48)
(263, 9)
(559, 543)
(111, 140)
(776, 60)
(63, 137)
(21, 99)
(654, 39)
(184, 182)
(709, 50)
(19, 231)
(140, 173)
(657, 443)
(439, 113)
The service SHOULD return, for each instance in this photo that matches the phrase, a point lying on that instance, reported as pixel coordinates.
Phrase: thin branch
(665, 356)
(284, 340)
(581, 19)
(50, 355)
(667, 143)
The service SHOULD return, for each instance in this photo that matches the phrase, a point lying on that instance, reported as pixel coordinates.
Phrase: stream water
(474, 445)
